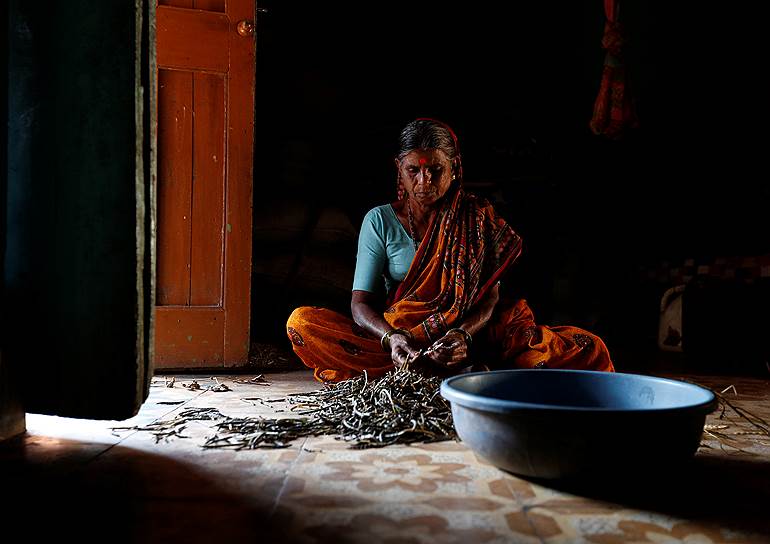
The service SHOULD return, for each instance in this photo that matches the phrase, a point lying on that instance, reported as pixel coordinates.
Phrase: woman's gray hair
(428, 134)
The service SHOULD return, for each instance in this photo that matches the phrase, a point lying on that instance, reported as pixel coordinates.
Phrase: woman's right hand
(401, 351)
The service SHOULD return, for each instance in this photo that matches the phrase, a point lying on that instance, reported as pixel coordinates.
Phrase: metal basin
(577, 423)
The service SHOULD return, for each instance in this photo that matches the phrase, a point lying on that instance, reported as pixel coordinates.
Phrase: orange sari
(467, 249)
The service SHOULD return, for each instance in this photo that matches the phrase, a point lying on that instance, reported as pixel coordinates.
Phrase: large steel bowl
(571, 423)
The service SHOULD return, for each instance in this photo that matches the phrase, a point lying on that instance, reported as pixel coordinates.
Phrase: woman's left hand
(449, 351)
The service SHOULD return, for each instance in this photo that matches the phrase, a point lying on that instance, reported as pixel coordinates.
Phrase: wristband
(468, 337)
(385, 340)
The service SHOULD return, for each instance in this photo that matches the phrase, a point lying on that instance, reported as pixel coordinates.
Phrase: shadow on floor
(722, 491)
(68, 496)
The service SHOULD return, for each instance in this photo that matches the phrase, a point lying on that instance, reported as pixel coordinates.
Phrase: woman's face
(426, 175)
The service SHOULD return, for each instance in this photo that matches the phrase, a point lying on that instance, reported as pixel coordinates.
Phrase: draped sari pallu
(465, 252)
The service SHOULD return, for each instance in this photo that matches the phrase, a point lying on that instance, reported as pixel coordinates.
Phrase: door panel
(193, 335)
(208, 191)
(208, 5)
(192, 39)
(205, 140)
(191, 195)
(174, 203)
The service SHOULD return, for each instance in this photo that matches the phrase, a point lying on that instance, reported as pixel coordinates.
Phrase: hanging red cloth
(614, 110)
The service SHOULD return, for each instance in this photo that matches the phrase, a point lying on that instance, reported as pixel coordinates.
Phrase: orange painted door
(206, 71)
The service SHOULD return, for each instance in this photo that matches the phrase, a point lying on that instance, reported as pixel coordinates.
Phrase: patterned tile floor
(72, 478)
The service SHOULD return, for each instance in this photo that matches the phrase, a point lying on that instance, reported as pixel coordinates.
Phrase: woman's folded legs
(334, 346)
(520, 343)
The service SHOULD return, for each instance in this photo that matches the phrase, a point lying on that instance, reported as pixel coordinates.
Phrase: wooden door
(206, 70)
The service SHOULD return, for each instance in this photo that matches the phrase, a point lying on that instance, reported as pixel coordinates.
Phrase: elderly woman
(427, 280)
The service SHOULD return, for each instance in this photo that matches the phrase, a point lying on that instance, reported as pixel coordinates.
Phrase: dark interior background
(336, 83)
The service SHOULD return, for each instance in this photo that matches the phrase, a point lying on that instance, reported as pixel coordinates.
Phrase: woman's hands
(450, 350)
(400, 351)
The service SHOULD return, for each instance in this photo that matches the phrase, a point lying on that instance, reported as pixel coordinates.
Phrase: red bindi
(422, 161)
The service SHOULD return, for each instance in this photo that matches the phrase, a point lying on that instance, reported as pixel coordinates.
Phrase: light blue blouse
(385, 251)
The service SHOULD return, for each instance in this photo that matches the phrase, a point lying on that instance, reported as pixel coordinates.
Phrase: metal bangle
(468, 337)
(385, 340)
